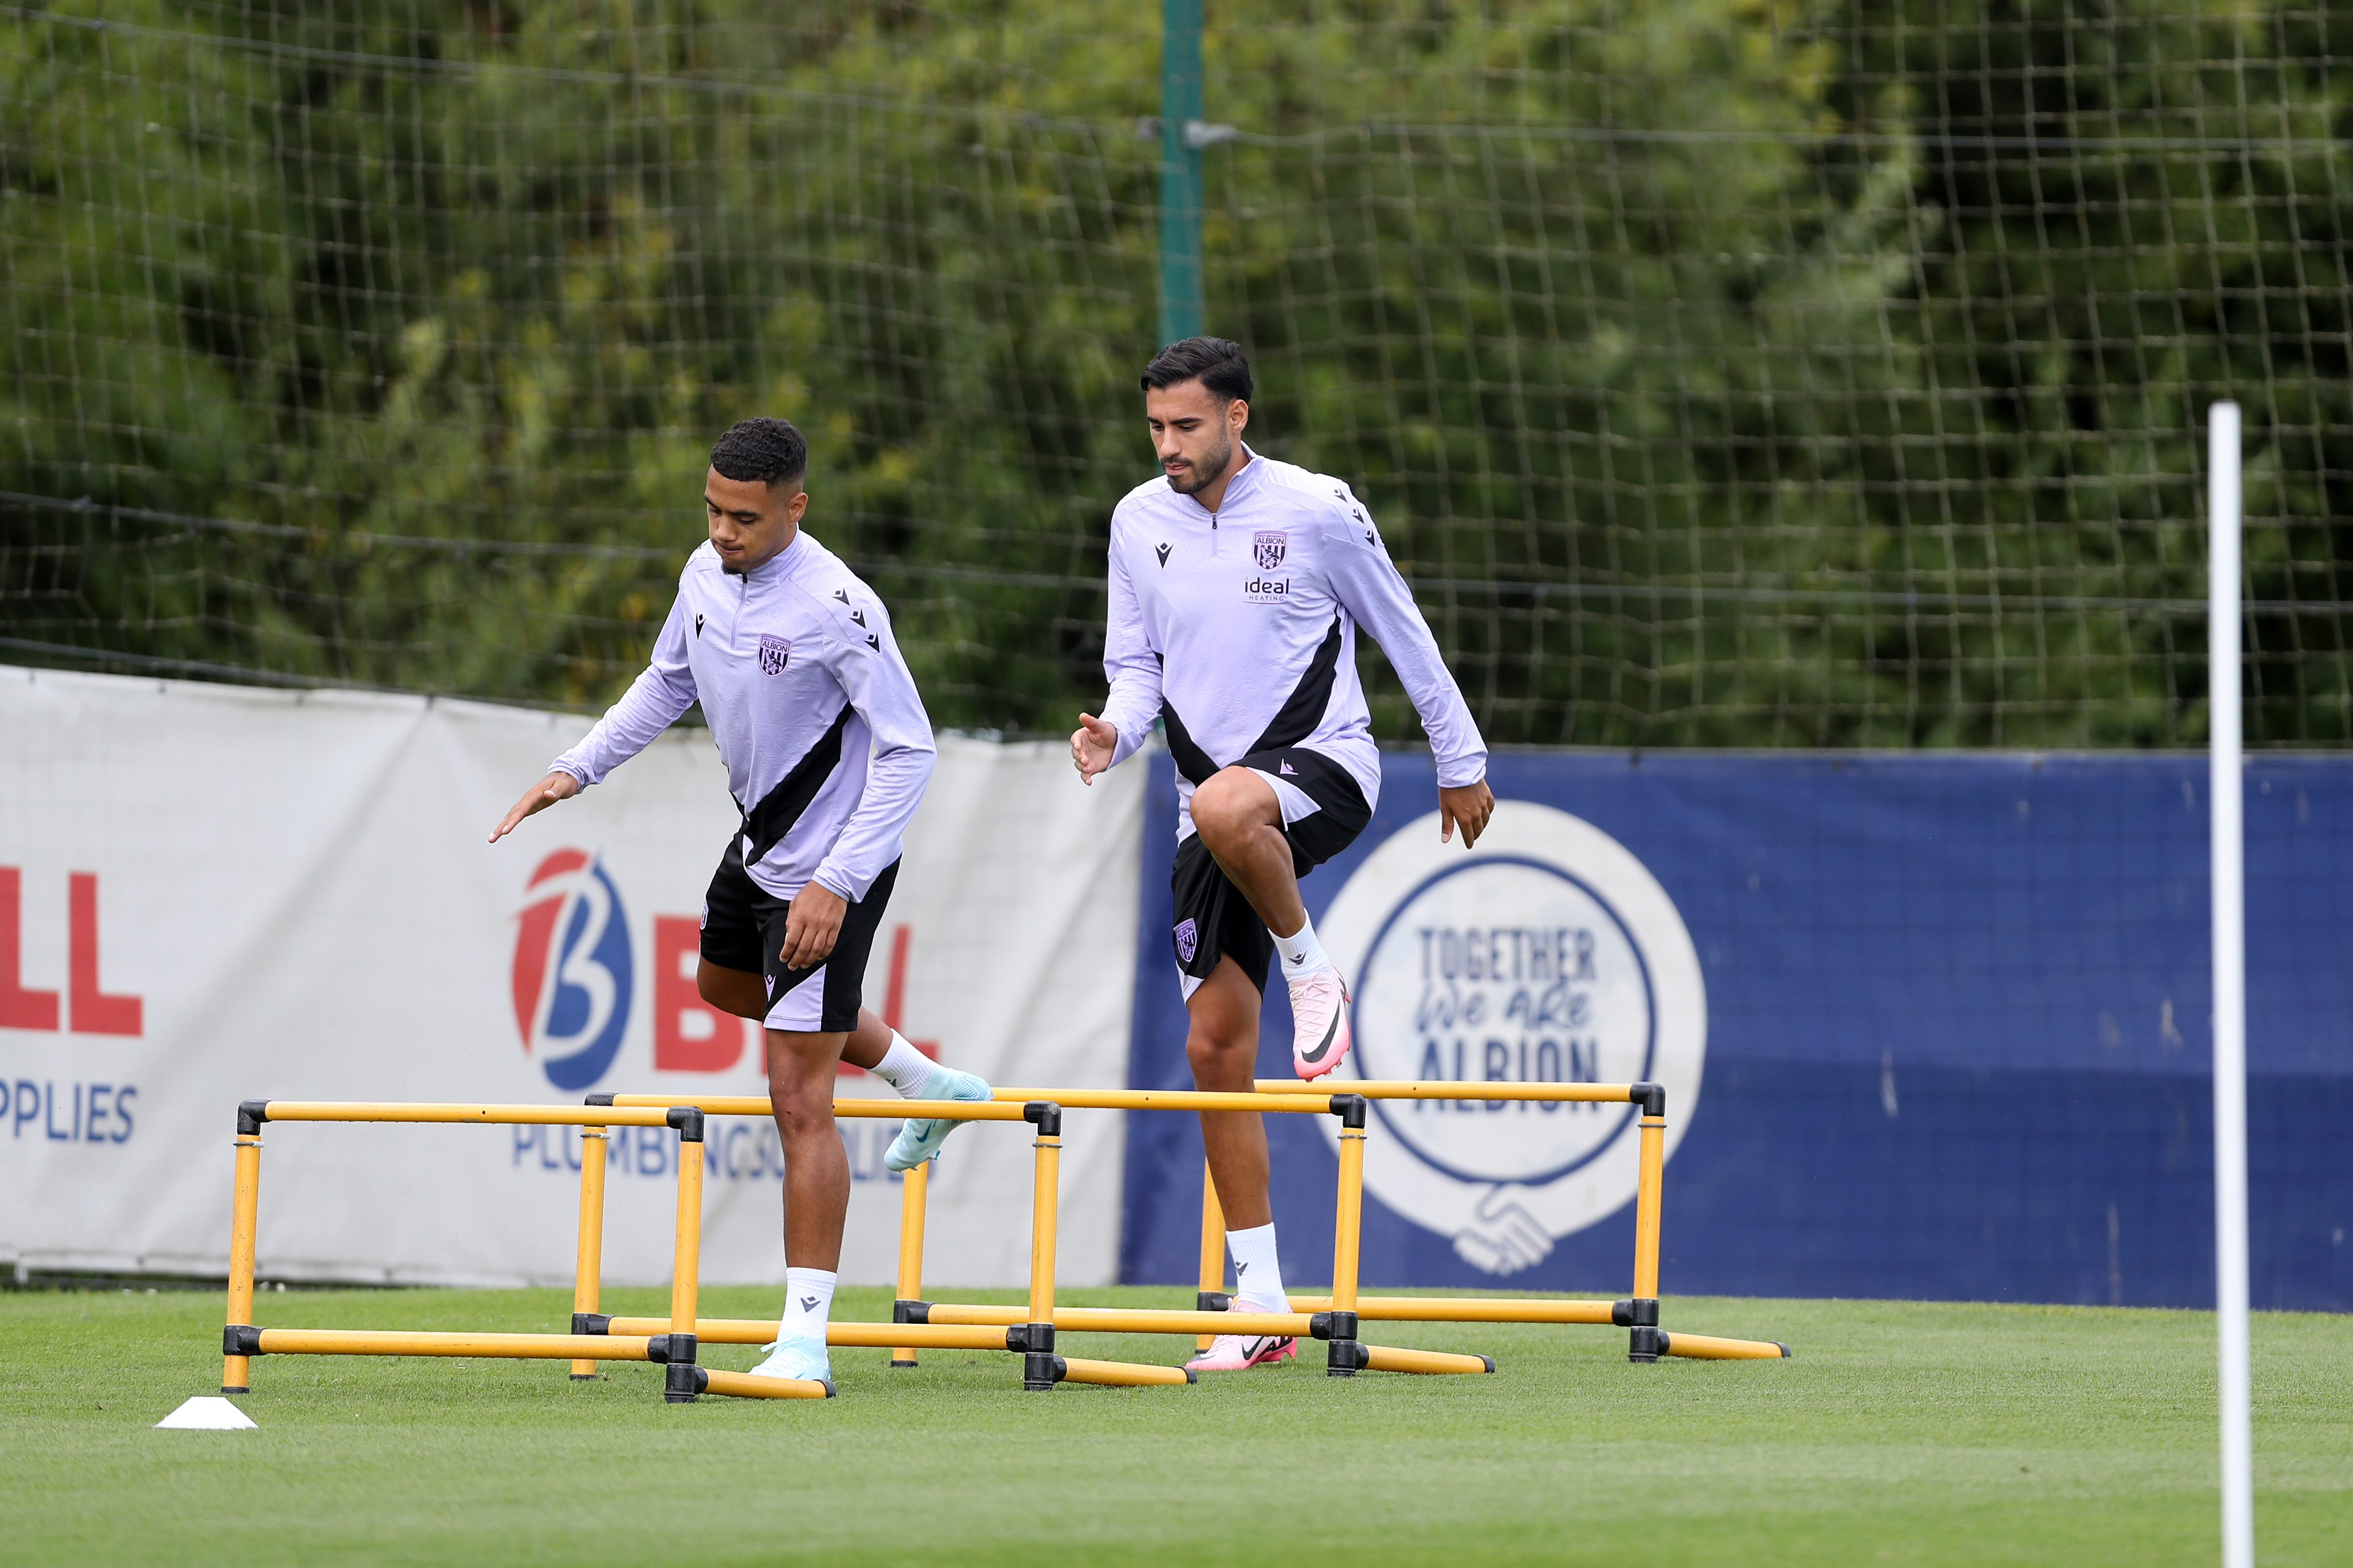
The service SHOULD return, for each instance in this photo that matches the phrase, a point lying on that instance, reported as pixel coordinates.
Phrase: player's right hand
(557, 785)
(1092, 745)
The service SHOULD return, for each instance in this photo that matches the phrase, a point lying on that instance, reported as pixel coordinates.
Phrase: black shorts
(1213, 918)
(744, 928)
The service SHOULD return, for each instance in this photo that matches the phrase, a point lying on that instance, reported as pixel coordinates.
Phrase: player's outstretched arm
(557, 785)
(1093, 745)
(1367, 582)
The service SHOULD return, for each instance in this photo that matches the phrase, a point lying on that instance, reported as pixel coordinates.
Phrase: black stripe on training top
(1304, 709)
(766, 824)
(1292, 722)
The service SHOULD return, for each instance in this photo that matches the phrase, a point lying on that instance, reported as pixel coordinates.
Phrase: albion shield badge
(1269, 547)
(775, 653)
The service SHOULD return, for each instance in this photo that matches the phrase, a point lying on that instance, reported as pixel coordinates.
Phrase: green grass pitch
(1903, 1433)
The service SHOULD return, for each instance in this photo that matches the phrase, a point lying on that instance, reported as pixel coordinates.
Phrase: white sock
(1301, 954)
(808, 1304)
(1257, 1277)
(904, 1068)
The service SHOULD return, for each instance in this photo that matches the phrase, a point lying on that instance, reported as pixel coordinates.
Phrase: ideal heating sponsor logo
(1548, 955)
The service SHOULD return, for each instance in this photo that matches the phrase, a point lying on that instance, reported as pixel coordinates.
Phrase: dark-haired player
(1238, 584)
(828, 749)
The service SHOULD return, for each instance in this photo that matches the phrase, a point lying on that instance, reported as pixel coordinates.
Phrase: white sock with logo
(904, 1067)
(808, 1305)
(1258, 1276)
(1303, 955)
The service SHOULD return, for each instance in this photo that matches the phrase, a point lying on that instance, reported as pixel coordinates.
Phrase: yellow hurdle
(1639, 1314)
(241, 1340)
(1041, 1367)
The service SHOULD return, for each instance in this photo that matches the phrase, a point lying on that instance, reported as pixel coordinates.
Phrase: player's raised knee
(1232, 803)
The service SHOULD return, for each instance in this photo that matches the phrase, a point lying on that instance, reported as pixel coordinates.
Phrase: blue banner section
(1956, 1032)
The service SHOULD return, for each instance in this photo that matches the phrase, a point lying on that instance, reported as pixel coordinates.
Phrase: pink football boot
(1319, 1012)
(1239, 1353)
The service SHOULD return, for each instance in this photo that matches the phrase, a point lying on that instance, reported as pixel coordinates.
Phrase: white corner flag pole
(2230, 982)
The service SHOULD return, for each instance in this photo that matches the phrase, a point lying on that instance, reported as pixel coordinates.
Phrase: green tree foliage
(1724, 371)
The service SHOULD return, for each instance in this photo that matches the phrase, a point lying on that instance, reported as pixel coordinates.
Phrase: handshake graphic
(1501, 1237)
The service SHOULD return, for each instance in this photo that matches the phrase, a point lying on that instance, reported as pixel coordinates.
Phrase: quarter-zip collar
(782, 563)
(1239, 488)
(1244, 483)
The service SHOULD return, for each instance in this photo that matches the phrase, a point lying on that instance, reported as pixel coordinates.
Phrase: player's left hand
(812, 926)
(1467, 806)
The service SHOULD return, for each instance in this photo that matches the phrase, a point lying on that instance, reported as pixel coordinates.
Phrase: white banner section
(213, 893)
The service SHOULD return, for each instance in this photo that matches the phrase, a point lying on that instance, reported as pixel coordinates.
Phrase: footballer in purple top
(1238, 586)
(828, 749)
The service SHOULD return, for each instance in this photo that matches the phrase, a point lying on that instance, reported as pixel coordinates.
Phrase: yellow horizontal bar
(1380, 1358)
(1399, 1089)
(744, 1385)
(1705, 1347)
(1124, 1373)
(1129, 1320)
(885, 1336)
(1314, 1099)
(486, 1115)
(530, 1347)
(1463, 1309)
(758, 1105)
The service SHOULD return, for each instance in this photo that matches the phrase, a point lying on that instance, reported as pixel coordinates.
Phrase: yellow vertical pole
(914, 1189)
(1646, 1205)
(1044, 1202)
(686, 1258)
(588, 1259)
(1039, 1361)
(1347, 1223)
(683, 1383)
(243, 1213)
(1213, 1243)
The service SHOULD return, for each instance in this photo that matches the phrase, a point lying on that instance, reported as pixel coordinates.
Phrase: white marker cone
(208, 1413)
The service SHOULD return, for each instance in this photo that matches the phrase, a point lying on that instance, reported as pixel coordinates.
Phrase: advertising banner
(212, 893)
(1931, 1026)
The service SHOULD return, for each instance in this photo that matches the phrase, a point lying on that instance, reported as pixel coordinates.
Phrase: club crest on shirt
(1268, 547)
(1188, 940)
(775, 653)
